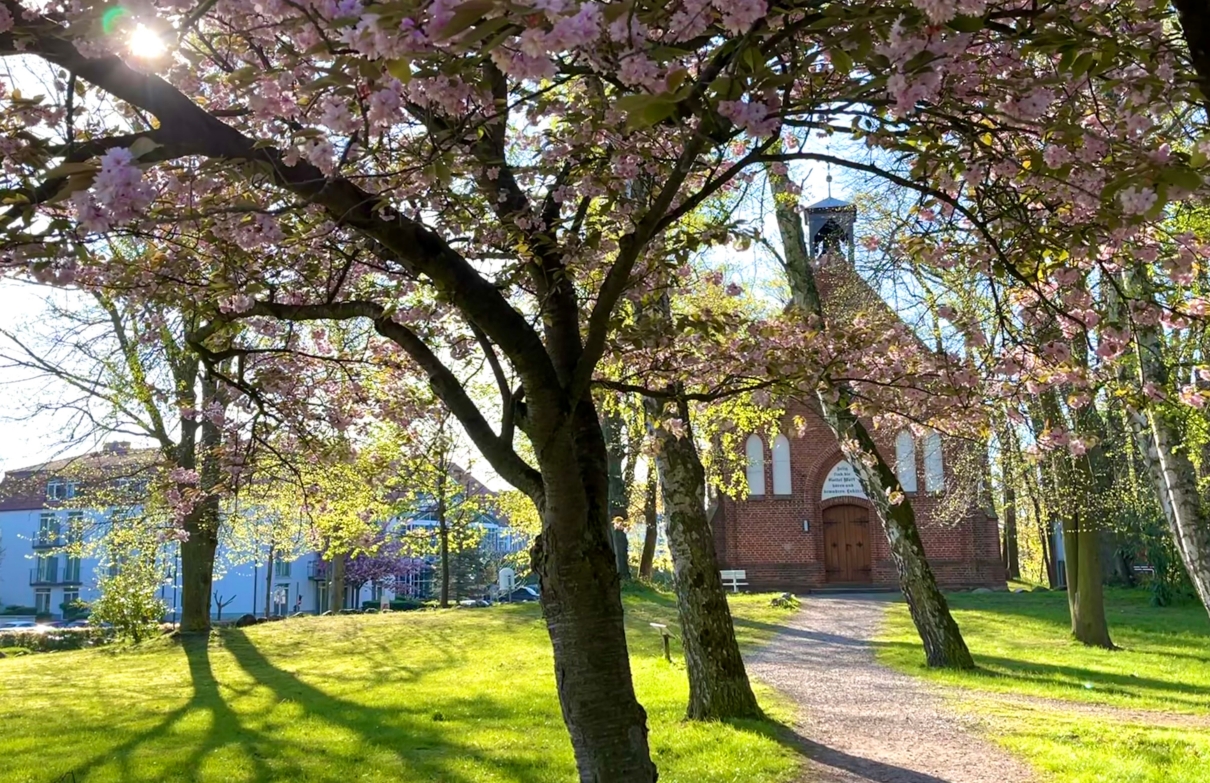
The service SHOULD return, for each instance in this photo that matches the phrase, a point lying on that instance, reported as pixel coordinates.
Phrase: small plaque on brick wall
(842, 481)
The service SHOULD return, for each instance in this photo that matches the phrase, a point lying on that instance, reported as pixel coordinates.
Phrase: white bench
(734, 579)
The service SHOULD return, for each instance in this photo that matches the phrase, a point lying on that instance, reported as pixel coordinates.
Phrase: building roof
(829, 203)
(24, 488)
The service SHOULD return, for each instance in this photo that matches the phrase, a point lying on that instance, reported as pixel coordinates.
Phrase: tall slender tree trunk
(614, 426)
(943, 642)
(718, 681)
(582, 604)
(1011, 549)
(269, 581)
(651, 520)
(443, 543)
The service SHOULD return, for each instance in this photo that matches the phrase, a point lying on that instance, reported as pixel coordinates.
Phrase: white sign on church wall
(842, 481)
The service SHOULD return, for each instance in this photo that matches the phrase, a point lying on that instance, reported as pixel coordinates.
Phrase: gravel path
(860, 722)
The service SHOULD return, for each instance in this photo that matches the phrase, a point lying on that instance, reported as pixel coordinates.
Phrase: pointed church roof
(829, 203)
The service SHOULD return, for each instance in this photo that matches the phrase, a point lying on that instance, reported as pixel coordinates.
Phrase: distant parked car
(26, 626)
(474, 603)
(521, 594)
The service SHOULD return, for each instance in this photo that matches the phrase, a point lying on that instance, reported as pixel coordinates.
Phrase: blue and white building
(38, 519)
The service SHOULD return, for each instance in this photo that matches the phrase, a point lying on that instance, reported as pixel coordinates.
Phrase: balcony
(42, 541)
(317, 570)
(52, 579)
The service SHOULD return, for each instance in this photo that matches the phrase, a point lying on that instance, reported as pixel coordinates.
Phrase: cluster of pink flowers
(118, 193)
(758, 119)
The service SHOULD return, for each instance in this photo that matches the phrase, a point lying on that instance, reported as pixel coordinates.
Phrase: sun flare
(145, 42)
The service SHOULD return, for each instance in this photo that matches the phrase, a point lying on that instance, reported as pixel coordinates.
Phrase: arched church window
(934, 469)
(781, 465)
(905, 460)
(756, 465)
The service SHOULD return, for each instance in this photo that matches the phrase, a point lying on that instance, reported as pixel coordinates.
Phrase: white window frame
(905, 461)
(42, 600)
(754, 453)
(782, 473)
(934, 463)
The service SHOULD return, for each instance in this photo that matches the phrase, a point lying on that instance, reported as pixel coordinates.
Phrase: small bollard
(663, 629)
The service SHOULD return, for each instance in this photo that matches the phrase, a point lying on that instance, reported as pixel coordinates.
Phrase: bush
(58, 639)
(406, 605)
(128, 602)
(18, 611)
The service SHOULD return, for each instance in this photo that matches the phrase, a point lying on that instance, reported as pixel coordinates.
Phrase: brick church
(806, 523)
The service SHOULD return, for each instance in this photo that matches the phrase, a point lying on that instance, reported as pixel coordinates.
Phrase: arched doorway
(846, 541)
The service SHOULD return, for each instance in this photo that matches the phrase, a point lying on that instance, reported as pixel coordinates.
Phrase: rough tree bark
(718, 681)
(581, 601)
(202, 522)
(943, 642)
(651, 520)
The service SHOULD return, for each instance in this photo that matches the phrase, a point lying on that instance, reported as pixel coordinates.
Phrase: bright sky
(30, 441)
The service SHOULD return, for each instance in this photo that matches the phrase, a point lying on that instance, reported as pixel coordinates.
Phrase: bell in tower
(830, 227)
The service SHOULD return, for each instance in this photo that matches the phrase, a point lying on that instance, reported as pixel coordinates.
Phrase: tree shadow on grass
(409, 733)
(1072, 678)
(799, 633)
(225, 729)
(852, 767)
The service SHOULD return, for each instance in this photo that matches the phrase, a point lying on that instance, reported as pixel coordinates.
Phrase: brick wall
(765, 537)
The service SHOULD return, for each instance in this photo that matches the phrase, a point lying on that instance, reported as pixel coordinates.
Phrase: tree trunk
(1161, 445)
(619, 508)
(269, 582)
(943, 642)
(582, 604)
(1012, 556)
(651, 519)
(718, 682)
(336, 584)
(202, 523)
(443, 543)
(1085, 595)
(944, 646)
(197, 566)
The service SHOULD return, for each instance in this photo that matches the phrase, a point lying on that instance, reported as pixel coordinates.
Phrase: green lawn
(458, 696)
(1136, 715)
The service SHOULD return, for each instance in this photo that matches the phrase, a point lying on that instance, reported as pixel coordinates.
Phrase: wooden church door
(846, 540)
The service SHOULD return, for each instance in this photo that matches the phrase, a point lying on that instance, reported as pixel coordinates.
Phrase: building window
(755, 450)
(375, 592)
(69, 598)
(42, 600)
(781, 465)
(71, 570)
(48, 569)
(321, 596)
(905, 460)
(281, 569)
(934, 469)
(281, 600)
(48, 530)
(57, 489)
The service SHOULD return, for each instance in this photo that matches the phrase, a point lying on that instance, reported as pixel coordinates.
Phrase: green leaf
(464, 17)
(142, 146)
(401, 69)
(1181, 177)
(966, 24)
(643, 111)
(67, 169)
(841, 61)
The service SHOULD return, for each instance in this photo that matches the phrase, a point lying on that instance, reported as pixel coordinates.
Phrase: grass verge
(458, 696)
(1140, 714)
